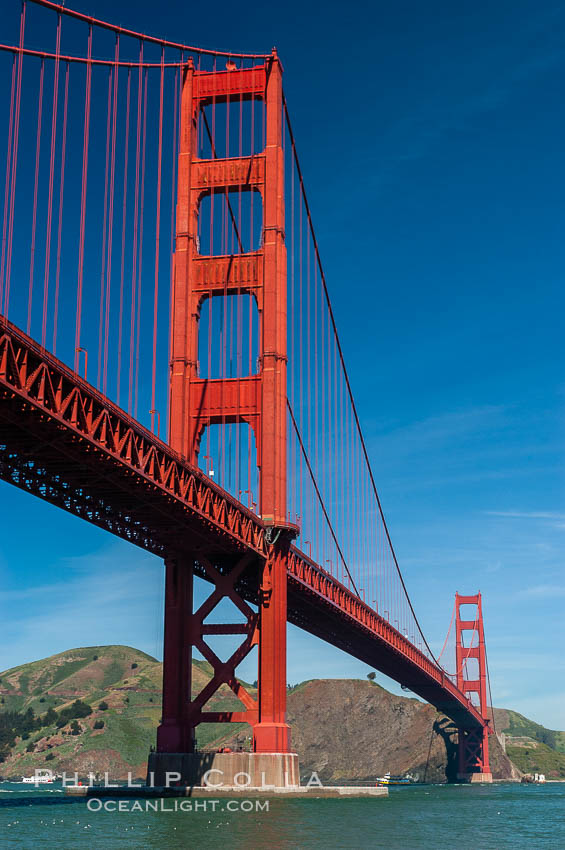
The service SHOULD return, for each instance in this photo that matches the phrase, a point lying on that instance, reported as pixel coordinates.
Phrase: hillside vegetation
(121, 686)
(533, 757)
(96, 709)
(532, 747)
(516, 725)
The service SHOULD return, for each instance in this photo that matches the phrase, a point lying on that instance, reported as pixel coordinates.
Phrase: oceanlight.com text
(95, 804)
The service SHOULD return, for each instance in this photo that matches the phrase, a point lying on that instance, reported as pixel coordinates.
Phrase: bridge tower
(473, 742)
(258, 400)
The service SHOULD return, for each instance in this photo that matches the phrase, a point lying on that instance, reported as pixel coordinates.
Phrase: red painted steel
(258, 400)
(183, 711)
(171, 734)
(473, 743)
(64, 442)
(37, 391)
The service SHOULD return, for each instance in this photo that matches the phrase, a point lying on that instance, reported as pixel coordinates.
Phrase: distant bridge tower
(473, 742)
(258, 400)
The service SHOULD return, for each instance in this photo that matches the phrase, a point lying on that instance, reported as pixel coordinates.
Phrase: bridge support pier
(270, 761)
(175, 735)
(272, 732)
(238, 771)
(473, 756)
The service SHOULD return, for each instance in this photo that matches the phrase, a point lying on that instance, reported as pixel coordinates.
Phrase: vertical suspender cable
(135, 231)
(224, 249)
(176, 112)
(124, 219)
(300, 348)
(14, 161)
(61, 193)
(51, 176)
(84, 181)
(239, 486)
(7, 186)
(140, 253)
(157, 230)
(259, 330)
(111, 217)
(292, 311)
(104, 223)
(308, 341)
(211, 294)
(35, 186)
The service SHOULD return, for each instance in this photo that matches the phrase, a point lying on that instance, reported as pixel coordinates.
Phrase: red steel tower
(473, 743)
(258, 400)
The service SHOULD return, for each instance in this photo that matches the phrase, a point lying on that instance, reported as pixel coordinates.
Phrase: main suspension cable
(319, 495)
(346, 375)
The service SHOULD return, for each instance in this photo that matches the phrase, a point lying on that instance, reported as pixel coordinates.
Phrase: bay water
(466, 817)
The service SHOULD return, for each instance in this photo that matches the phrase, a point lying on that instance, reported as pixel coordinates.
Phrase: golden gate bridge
(159, 264)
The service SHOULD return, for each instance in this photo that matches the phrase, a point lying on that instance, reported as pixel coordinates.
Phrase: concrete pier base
(224, 775)
(236, 771)
(475, 777)
(300, 792)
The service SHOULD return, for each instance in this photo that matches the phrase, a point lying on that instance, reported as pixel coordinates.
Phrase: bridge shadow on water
(22, 802)
(446, 729)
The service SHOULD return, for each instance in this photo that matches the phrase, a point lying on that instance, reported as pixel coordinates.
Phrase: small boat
(387, 779)
(42, 777)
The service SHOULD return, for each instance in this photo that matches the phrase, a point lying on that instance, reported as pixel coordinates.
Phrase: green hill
(516, 725)
(533, 757)
(97, 709)
(532, 747)
(123, 680)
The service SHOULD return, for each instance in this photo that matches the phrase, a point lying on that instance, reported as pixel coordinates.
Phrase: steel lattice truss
(62, 441)
(40, 394)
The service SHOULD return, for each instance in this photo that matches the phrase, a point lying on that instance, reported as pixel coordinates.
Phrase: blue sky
(431, 138)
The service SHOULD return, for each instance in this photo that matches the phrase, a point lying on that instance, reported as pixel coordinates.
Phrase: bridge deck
(66, 443)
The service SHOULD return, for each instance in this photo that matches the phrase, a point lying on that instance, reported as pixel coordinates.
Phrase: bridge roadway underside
(44, 456)
(335, 627)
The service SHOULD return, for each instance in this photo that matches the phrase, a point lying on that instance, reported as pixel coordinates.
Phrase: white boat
(42, 777)
(387, 779)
